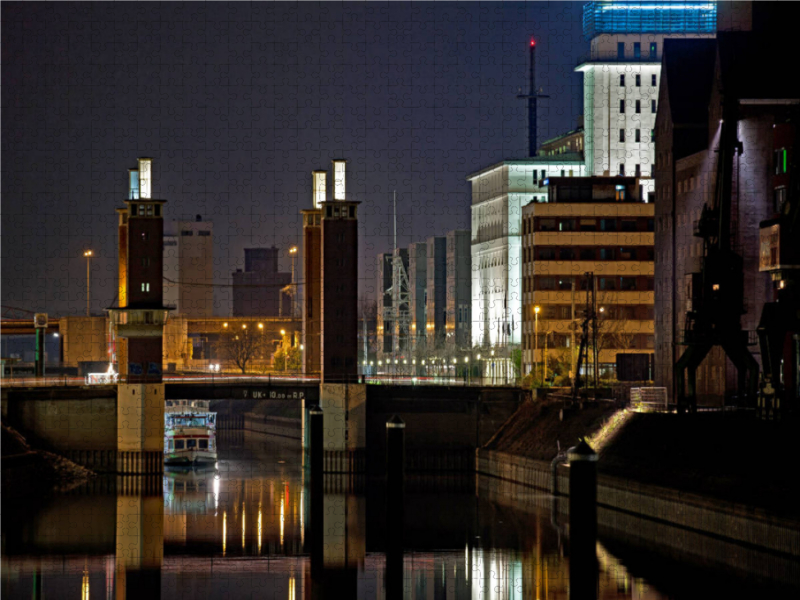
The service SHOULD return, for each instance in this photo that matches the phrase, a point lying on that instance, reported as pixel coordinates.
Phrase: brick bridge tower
(137, 325)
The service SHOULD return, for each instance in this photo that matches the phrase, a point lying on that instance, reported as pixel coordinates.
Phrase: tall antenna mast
(400, 311)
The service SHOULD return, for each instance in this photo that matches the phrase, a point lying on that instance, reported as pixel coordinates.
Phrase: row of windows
(643, 253)
(145, 210)
(631, 341)
(344, 211)
(626, 284)
(563, 312)
(608, 224)
(190, 443)
(637, 108)
(638, 80)
(637, 50)
(543, 174)
(188, 232)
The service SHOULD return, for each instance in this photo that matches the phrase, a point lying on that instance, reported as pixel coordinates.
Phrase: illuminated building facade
(594, 225)
(189, 267)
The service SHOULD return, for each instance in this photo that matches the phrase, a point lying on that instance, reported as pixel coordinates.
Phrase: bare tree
(243, 347)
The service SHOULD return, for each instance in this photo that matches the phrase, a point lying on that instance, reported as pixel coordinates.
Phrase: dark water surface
(243, 531)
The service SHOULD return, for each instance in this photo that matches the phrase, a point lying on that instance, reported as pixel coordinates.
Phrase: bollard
(395, 488)
(317, 511)
(582, 522)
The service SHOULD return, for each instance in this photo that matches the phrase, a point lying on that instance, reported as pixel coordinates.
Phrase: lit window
(653, 52)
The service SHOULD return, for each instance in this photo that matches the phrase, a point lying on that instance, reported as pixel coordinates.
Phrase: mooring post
(582, 521)
(317, 486)
(395, 489)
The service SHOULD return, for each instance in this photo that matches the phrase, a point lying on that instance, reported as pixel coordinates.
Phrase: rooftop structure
(610, 17)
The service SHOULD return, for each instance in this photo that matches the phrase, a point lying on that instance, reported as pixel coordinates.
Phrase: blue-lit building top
(607, 16)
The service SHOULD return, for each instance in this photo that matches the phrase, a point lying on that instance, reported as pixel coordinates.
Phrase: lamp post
(466, 360)
(536, 310)
(293, 254)
(88, 254)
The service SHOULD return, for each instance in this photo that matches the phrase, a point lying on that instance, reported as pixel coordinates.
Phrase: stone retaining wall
(742, 524)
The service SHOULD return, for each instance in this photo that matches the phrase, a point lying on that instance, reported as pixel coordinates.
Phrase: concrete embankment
(705, 473)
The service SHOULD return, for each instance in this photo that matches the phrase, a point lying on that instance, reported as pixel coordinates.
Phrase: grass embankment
(730, 456)
(27, 471)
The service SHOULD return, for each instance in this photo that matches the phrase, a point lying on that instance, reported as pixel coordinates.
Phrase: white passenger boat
(189, 433)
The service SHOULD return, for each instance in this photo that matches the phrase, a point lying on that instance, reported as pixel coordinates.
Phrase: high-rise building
(459, 280)
(257, 289)
(621, 80)
(417, 293)
(621, 76)
(436, 307)
(189, 267)
(596, 225)
(383, 282)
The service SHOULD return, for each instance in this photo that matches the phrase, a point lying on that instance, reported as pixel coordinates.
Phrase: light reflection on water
(241, 532)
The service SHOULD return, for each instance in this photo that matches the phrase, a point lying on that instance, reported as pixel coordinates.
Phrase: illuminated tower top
(681, 16)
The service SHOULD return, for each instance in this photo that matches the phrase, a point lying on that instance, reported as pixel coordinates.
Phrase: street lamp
(293, 254)
(536, 310)
(88, 254)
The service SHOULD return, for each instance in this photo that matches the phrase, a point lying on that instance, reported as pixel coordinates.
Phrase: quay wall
(618, 499)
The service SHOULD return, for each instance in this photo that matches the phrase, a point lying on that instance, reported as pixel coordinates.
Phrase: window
(608, 224)
(133, 210)
(191, 444)
(620, 49)
(627, 253)
(638, 106)
(638, 171)
(608, 254)
(779, 199)
(149, 210)
(652, 135)
(608, 283)
(587, 254)
(204, 233)
(628, 225)
(541, 175)
(187, 233)
(171, 445)
(653, 106)
(628, 284)
(547, 254)
(653, 80)
(567, 225)
(781, 165)
(566, 254)
(203, 444)
(621, 135)
(547, 225)
(588, 224)
(637, 137)
(145, 287)
(535, 176)
(145, 262)
(622, 107)
(637, 50)
(158, 210)
(638, 80)
(653, 52)
(622, 169)
(179, 445)
(622, 81)
(562, 172)
(352, 212)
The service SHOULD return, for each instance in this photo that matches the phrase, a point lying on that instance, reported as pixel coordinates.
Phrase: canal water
(242, 531)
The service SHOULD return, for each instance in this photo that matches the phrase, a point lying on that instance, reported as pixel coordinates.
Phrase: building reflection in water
(243, 531)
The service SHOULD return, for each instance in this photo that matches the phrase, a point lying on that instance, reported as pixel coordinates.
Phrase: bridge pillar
(140, 428)
(344, 426)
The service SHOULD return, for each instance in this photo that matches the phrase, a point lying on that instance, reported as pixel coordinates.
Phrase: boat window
(178, 444)
(204, 444)
(191, 444)
(171, 445)
(190, 421)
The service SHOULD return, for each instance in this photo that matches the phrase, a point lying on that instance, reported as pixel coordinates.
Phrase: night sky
(238, 103)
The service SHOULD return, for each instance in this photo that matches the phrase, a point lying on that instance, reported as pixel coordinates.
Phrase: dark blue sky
(239, 102)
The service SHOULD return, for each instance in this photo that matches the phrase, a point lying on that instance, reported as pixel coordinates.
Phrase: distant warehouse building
(598, 225)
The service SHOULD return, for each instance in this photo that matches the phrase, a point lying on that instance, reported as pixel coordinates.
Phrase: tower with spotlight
(137, 325)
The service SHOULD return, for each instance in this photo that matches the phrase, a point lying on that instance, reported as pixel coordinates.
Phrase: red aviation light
(533, 43)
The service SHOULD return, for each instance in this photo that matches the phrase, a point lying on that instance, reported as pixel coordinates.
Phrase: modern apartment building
(598, 225)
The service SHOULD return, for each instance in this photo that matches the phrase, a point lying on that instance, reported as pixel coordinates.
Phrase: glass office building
(608, 17)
